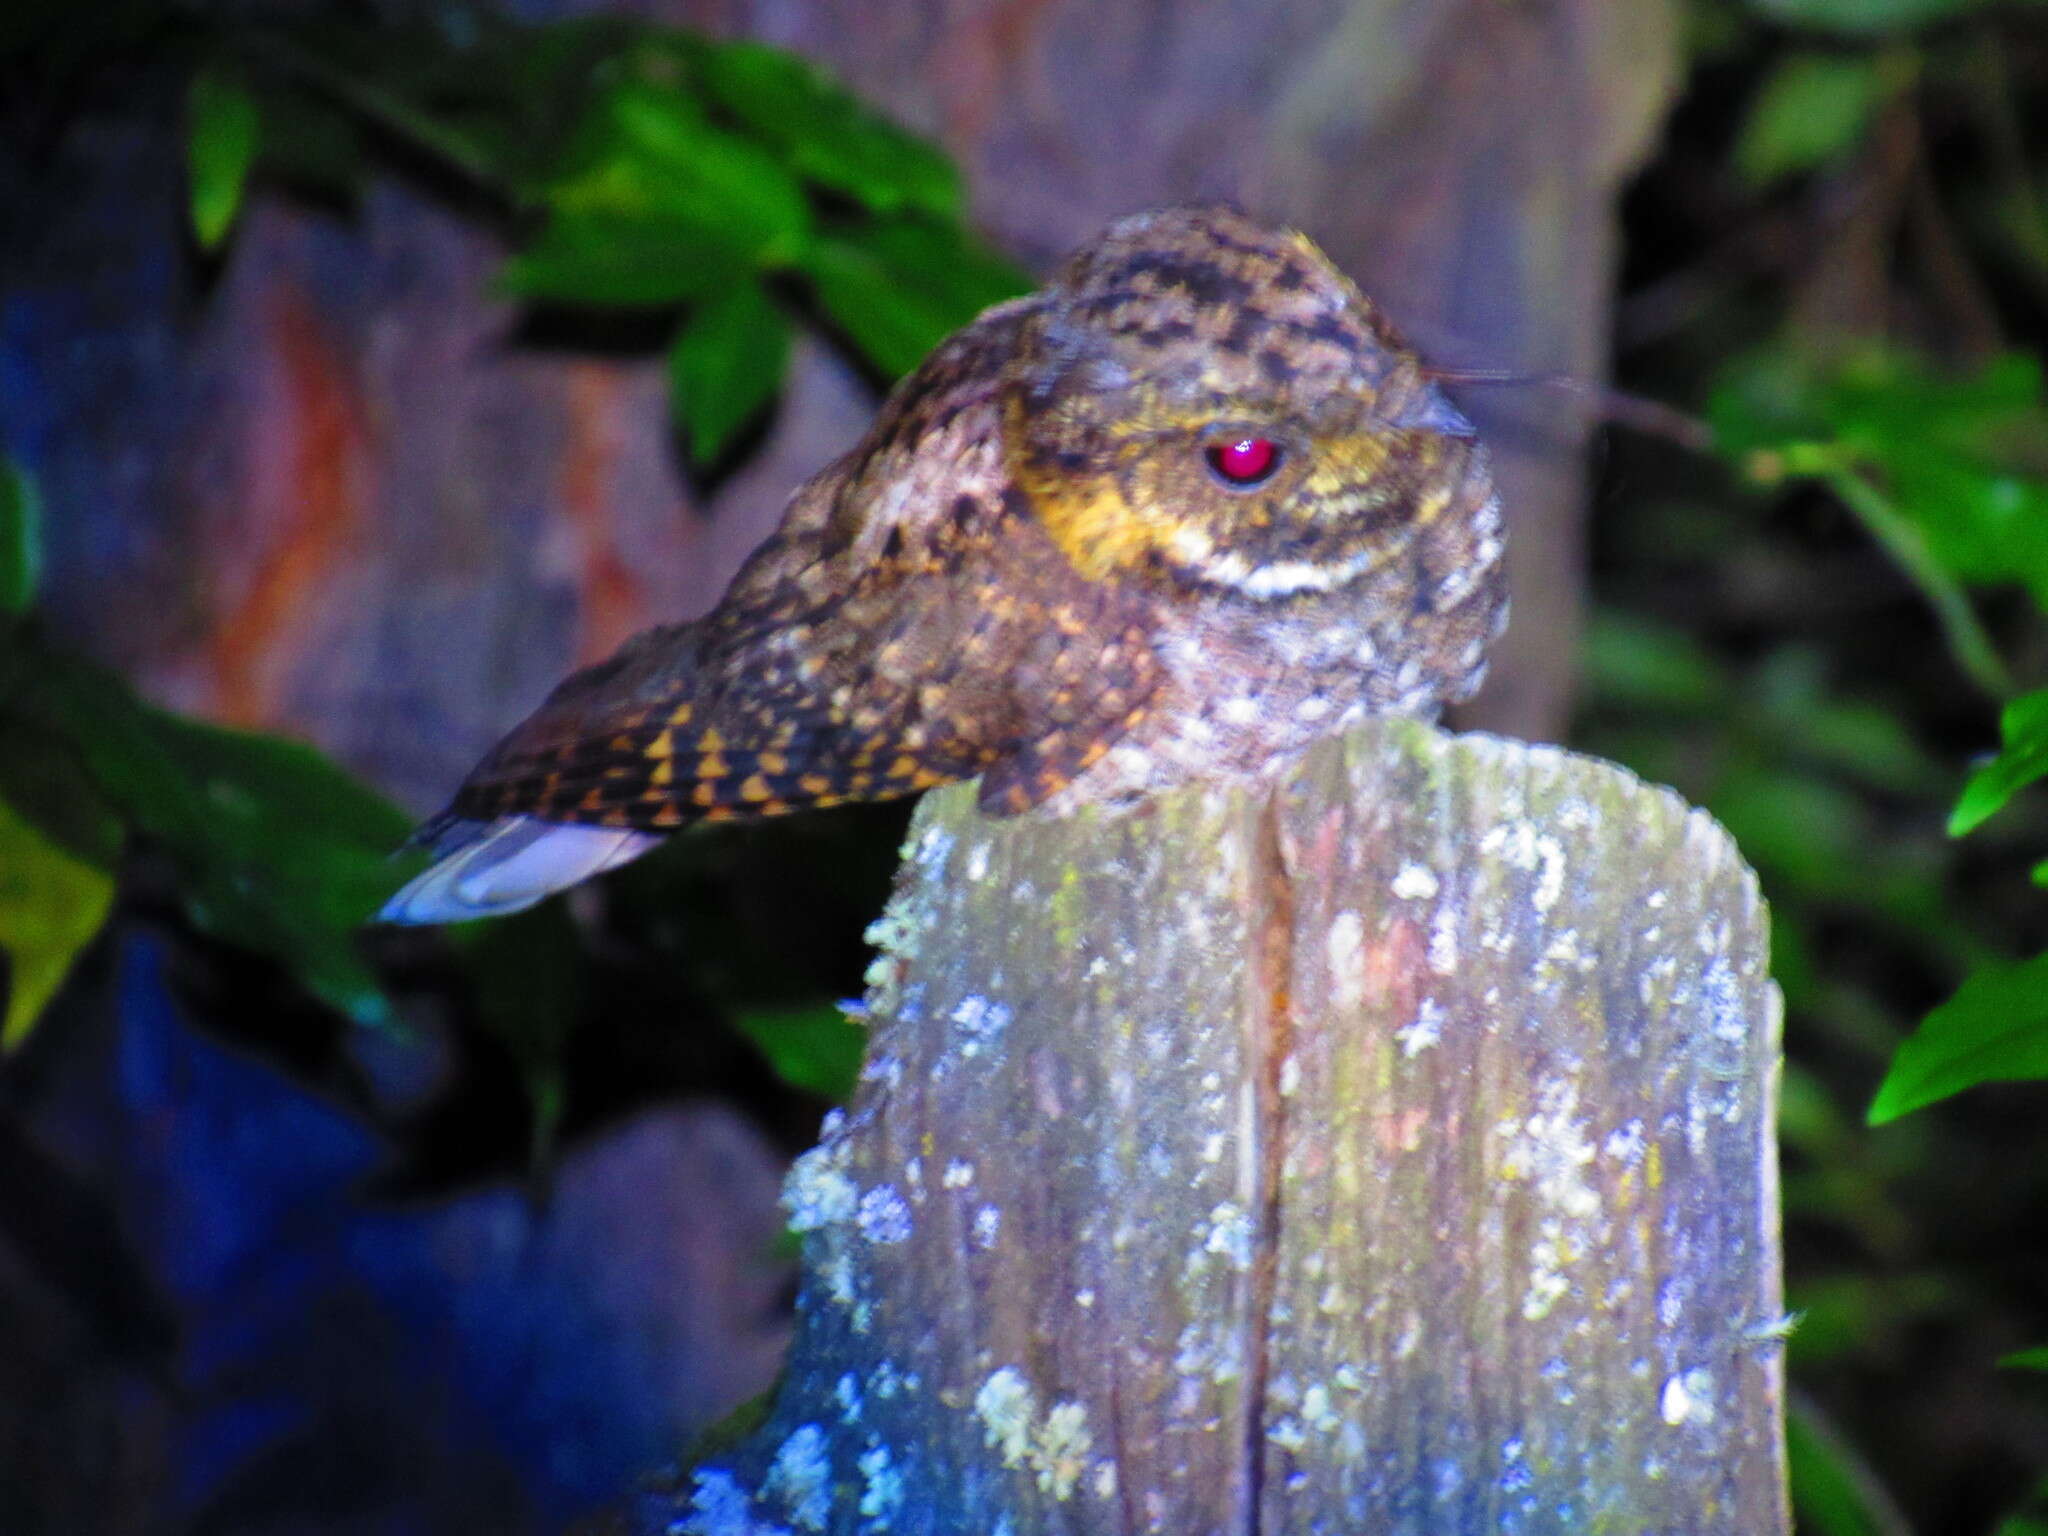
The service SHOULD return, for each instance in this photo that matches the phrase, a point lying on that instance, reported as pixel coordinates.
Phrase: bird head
(1200, 399)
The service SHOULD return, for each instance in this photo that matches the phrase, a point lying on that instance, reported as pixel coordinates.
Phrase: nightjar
(1178, 514)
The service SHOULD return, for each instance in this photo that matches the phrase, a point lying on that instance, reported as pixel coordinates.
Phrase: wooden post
(1388, 1152)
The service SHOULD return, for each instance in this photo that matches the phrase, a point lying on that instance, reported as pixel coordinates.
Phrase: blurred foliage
(1840, 260)
(723, 193)
(816, 1049)
(725, 366)
(1862, 18)
(2032, 1523)
(52, 901)
(1937, 468)
(631, 167)
(21, 541)
(1833, 1491)
(727, 189)
(220, 142)
(1814, 108)
(276, 850)
(1949, 474)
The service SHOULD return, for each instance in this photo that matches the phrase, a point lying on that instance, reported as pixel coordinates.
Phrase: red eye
(1248, 461)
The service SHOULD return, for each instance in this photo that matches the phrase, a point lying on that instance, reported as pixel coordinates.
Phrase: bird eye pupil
(1246, 461)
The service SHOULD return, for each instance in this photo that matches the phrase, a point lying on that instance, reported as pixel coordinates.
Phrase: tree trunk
(1391, 1151)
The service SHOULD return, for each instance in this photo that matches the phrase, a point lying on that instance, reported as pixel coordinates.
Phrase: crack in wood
(1270, 1029)
(1389, 1154)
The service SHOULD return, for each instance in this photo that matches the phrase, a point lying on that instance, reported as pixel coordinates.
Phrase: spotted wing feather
(906, 628)
(668, 733)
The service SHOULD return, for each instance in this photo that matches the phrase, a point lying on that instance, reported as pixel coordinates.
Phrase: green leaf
(279, 850)
(529, 978)
(52, 902)
(2040, 874)
(2033, 1518)
(296, 855)
(647, 152)
(1959, 454)
(1814, 107)
(1815, 839)
(962, 272)
(899, 288)
(1804, 719)
(1834, 1492)
(725, 366)
(2025, 1360)
(1642, 664)
(2022, 760)
(1861, 18)
(828, 135)
(655, 205)
(40, 778)
(21, 540)
(1805, 832)
(892, 323)
(1931, 434)
(1995, 1029)
(1943, 470)
(1794, 968)
(221, 136)
(1765, 402)
(724, 1436)
(621, 261)
(1983, 524)
(311, 144)
(1847, 1314)
(516, 92)
(657, 120)
(817, 1048)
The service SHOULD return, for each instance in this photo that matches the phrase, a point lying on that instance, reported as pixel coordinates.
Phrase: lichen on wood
(1387, 1149)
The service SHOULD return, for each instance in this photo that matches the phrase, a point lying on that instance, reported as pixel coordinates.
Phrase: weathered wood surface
(1392, 1155)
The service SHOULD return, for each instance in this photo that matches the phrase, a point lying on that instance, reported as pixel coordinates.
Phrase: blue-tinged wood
(1394, 1154)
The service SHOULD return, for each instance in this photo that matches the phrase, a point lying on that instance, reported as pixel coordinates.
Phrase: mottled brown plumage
(1032, 570)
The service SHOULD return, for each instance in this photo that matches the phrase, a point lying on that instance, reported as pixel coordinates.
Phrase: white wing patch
(489, 868)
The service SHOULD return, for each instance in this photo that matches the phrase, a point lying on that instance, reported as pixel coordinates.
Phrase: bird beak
(1426, 410)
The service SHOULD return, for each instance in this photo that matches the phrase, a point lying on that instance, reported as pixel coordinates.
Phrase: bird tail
(489, 868)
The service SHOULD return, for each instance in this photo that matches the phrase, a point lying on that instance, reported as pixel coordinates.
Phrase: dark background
(266, 1269)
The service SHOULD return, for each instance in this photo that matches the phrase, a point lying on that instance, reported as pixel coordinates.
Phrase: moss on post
(1390, 1151)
